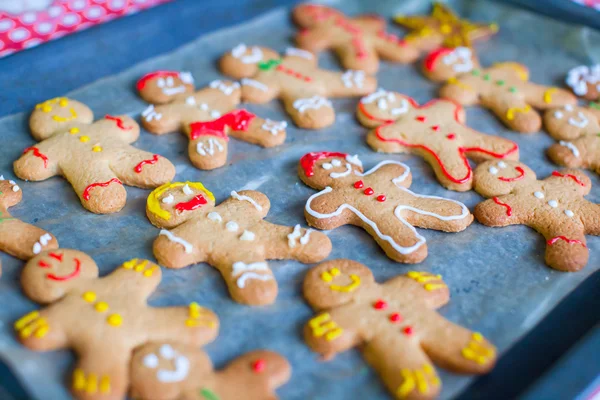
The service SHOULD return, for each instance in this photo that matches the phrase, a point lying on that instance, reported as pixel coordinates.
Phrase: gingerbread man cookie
(503, 88)
(95, 157)
(578, 131)
(296, 79)
(169, 371)
(359, 42)
(584, 81)
(177, 107)
(231, 237)
(443, 28)
(102, 319)
(554, 206)
(434, 131)
(378, 201)
(396, 325)
(18, 238)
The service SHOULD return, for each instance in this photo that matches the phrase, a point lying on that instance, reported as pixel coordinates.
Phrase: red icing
(391, 38)
(435, 128)
(381, 198)
(37, 153)
(369, 191)
(43, 264)
(457, 109)
(153, 160)
(70, 276)
(359, 184)
(259, 365)
(564, 238)
(293, 73)
(521, 172)
(395, 317)
(432, 57)
(576, 179)
(157, 74)
(307, 162)
(192, 204)
(58, 257)
(119, 122)
(380, 305)
(421, 118)
(451, 136)
(238, 120)
(508, 208)
(408, 330)
(87, 190)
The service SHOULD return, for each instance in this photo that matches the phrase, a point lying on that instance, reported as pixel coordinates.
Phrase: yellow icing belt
(153, 202)
(417, 379)
(62, 102)
(476, 351)
(323, 325)
(510, 114)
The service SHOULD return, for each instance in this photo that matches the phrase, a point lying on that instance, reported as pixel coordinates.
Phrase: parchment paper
(499, 283)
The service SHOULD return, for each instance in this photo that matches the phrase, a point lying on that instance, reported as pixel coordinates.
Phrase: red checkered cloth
(28, 23)
(595, 4)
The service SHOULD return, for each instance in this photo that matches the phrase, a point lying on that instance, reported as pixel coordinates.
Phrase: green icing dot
(486, 77)
(595, 105)
(512, 89)
(208, 394)
(475, 72)
(500, 83)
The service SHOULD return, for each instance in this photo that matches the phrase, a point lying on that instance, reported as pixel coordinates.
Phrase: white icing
(336, 163)
(171, 91)
(553, 203)
(245, 272)
(569, 213)
(297, 234)
(327, 166)
(558, 114)
(569, 107)
(571, 147)
(168, 199)
(214, 216)
(191, 101)
(232, 226)
(240, 51)
(41, 243)
(248, 236)
(241, 282)
(167, 351)
(16, 188)
(400, 249)
(187, 190)
(292, 51)
(255, 84)
(186, 77)
(384, 98)
(580, 76)
(181, 363)
(215, 114)
(37, 248)
(150, 114)
(151, 361)
(176, 239)
(314, 102)
(354, 160)
(501, 164)
(306, 237)
(275, 127)
(581, 122)
(353, 78)
(347, 172)
(493, 170)
(539, 195)
(209, 147)
(460, 59)
(223, 87)
(250, 200)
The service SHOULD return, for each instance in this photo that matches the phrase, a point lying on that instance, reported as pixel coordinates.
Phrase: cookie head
(383, 107)
(10, 193)
(496, 178)
(49, 275)
(58, 115)
(174, 203)
(160, 87)
(336, 282)
(245, 61)
(325, 168)
(445, 63)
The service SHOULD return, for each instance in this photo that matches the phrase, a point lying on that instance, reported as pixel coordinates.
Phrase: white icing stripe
(571, 147)
(314, 102)
(175, 239)
(241, 282)
(275, 127)
(203, 149)
(384, 98)
(226, 89)
(182, 367)
(347, 172)
(250, 200)
(581, 122)
(240, 51)
(173, 91)
(150, 114)
(240, 267)
(293, 51)
(400, 249)
(297, 234)
(306, 237)
(460, 59)
(353, 78)
(255, 84)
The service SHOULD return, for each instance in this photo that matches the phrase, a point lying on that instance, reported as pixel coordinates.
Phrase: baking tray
(498, 280)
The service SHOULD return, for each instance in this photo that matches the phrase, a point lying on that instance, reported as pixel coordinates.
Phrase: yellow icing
(96, 149)
(153, 202)
(548, 95)
(101, 306)
(26, 319)
(90, 297)
(74, 131)
(323, 325)
(84, 139)
(455, 81)
(115, 320)
(510, 114)
(348, 288)
(477, 351)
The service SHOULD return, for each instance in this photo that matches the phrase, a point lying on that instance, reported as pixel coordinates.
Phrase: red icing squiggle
(156, 74)
(153, 160)
(432, 57)
(192, 204)
(508, 208)
(70, 276)
(576, 179)
(555, 239)
(521, 172)
(238, 120)
(307, 162)
(293, 73)
(37, 153)
(119, 122)
(86, 192)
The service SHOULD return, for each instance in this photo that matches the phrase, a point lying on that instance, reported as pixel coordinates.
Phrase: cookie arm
(141, 169)
(309, 112)
(544, 97)
(566, 248)
(515, 112)
(392, 48)
(40, 161)
(176, 248)
(23, 240)
(169, 118)
(193, 325)
(347, 83)
(283, 242)
(42, 330)
(121, 127)
(502, 211)
(432, 212)
(136, 277)
(429, 288)
(479, 146)
(325, 336)
(265, 133)
(583, 152)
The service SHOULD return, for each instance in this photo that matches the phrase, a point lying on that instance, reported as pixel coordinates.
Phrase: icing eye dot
(558, 115)
(160, 83)
(170, 81)
(167, 351)
(327, 166)
(493, 170)
(151, 361)
(539, 195)
(569, 107)
(336, 163)
(501, 164)
(168, 199)
(553, 203)
(186, 189)
(569, 213)
(232, 226)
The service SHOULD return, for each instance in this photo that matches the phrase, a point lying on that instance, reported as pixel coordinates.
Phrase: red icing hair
(238, 120)
(307, 162)
(433, 57)
(156, 74)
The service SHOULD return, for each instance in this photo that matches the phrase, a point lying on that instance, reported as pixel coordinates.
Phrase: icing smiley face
(52, 273)
(385, 106)
(445, 63)
(573, 117)
(161, 86)
(501, 165)
(170, 366)
(58, 113)
(329, 166)
(501, 176)
(170, 201)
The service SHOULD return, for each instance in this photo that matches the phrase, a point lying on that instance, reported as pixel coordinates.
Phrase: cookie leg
(101, 374)
(97, 187)
(403, 367)
(37, 163)
(359, 56)
(265, 133)
(578, 153)
(308, 112)
(250, 283)
(395, 49)
(167, 118)
(193, 325)
(566, 251)
(516, 114)
(435, 213)
(208, 152)
(142, 169)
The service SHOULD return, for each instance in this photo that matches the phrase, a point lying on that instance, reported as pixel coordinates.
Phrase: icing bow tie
(269, 64)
